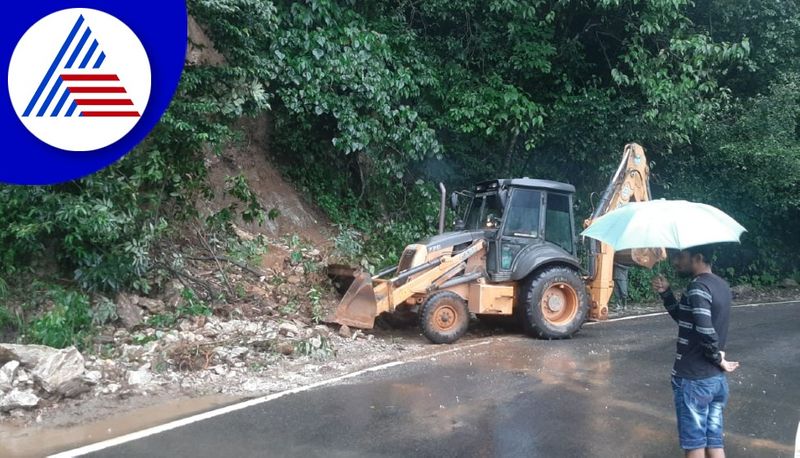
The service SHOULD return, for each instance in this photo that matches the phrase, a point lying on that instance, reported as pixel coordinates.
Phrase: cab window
(484, 213)
(558, 227)
(522, 218)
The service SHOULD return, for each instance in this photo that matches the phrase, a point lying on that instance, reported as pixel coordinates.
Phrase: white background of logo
(33, 55)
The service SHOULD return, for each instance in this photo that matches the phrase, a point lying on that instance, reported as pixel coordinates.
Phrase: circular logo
(79, 79)
(88, 80)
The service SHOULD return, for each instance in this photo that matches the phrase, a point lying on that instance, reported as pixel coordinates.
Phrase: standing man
(620, 277)
(698, 376)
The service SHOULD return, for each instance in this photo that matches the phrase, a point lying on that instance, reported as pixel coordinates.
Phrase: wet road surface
(605, 393)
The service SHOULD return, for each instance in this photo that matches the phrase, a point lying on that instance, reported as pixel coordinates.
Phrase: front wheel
(554, 303)
(444, 317)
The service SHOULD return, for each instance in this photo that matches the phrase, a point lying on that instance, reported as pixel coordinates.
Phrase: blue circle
(160, 26)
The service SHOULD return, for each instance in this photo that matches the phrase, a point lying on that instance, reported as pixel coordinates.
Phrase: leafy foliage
(372, 103)
(68, 322)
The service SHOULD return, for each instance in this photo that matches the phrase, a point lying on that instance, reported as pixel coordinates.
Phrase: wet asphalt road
(605, 393)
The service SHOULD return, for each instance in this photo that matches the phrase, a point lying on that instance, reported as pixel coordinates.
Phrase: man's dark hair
(706, 251)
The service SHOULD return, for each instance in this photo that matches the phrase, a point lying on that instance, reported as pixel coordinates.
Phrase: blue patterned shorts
(698, 406)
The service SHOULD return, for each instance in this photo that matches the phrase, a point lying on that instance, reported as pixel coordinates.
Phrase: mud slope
(295, 214)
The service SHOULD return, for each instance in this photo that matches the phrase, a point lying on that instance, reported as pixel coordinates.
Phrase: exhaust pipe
(441, 207)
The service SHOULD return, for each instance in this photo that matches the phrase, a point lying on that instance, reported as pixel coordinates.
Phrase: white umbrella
(664, 223)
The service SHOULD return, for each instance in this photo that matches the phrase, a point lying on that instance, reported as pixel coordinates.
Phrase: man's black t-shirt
(702, 315)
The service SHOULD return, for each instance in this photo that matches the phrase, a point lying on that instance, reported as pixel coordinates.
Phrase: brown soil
(292, 212)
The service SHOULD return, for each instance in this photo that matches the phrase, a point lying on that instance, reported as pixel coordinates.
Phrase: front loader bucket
(358, 307)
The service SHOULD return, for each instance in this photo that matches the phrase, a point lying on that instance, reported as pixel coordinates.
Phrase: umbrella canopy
(664, 223)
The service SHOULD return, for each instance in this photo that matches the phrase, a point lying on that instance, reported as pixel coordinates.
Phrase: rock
(140, 377)
(357, 334)
(288, 330)
(113, 387)
(104, 339)
(173, 294)
(231, 355)
(171, 337)
(219, 369)
(238, 352)
(23, 377)
(741, 290)
(92, 377)
(294, 280)
(186, 325)
(242, 234)
(28, 355)
(18, 399)
(129, 313)
(344, 331)
(322, 330)
(286, 348)
(154, 306)
(7, 373)
(131, 352)
(62, 373)
(789, 283)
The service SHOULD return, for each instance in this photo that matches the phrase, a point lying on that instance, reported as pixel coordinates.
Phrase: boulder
(789, 283)
(129, 313)
(62, 373)
(322, 330)
(92, 377)
(18, 399)
(173, 294)
(154, 306)
(140, 377)
(28, 355)
(344, 331)
(7, 373)
(285, 348)
(288, 330)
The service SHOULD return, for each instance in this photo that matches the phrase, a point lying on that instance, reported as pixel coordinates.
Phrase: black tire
(444, 317)
(562, 313)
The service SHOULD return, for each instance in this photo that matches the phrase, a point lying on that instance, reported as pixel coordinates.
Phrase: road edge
(153, 430)
(97, 446)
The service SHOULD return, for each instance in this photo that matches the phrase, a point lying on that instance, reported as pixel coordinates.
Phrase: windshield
(484, 213)
(522, 219)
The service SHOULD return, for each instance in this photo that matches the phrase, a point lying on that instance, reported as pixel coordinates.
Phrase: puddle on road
(37, 441)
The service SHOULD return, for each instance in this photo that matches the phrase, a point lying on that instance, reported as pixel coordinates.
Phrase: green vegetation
(67, 322)
(190, 306)
(372, 103)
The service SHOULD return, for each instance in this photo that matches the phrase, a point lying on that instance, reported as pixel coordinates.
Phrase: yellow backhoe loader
(513, 254)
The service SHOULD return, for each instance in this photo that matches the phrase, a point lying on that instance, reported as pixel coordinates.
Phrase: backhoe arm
(631, 182)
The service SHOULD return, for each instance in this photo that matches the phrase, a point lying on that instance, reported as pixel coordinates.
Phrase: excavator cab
(519, 217)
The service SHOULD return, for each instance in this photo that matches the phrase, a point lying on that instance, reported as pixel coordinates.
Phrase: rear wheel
(554, 304)
(444, 317)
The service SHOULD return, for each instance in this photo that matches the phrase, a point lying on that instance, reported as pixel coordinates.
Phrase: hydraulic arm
(631, 182)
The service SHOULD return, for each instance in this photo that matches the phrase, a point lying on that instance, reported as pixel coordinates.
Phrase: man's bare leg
(696, 453)
(715, 453)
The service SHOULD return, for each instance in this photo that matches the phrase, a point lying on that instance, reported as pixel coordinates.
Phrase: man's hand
(660, 283)
(727, 366)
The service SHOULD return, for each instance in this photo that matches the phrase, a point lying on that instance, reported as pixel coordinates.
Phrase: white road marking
(252, 402)
(646, 315)
(797, 442)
